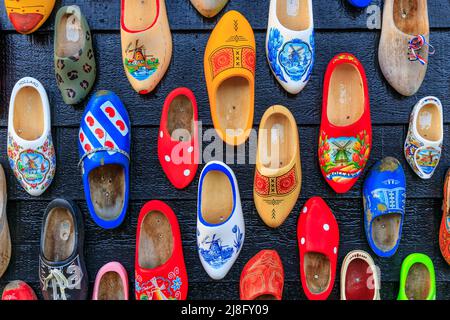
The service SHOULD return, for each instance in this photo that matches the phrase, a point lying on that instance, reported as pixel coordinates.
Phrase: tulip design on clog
(111, 283)
(444, 232)
(18, 290)
(290, 46)
(30, 146)
(220, 221)
(28, 15)
(417, 278)
(209, 8)
(423, 145)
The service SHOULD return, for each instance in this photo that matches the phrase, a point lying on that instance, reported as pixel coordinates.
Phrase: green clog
(417, 278)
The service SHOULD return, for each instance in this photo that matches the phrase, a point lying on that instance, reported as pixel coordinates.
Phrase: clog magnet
(28, 15)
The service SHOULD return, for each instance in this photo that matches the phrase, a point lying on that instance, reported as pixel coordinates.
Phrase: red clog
(18, 290)
(318, 241)
(160, 270)
(178, 147)
(346, 131)
(263, 277)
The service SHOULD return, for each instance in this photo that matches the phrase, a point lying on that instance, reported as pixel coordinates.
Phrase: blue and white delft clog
(104, 145)
(384, 196)
(360, 3)
(220, 221)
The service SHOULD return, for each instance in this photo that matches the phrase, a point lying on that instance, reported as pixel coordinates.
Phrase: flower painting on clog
(139, 63)
(160, 288)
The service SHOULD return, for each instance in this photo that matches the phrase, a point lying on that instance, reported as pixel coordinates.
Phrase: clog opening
(429, 122)
(107, 190)
(111, 287)
(180, 119)
(294, 14)
(59, 235)
(28, 114)
(216, 197)
(70, 36)
(345, 96)
(417, 285)
(155, 240)
(317, 270)
(359, 281)
(410, 16)
(139, 15)
(385, 231)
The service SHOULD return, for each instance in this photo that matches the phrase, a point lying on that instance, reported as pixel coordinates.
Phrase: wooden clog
(5, 238)
(146, 42)
(360, 3)
(403, 51)
(417, 278)
(345, 131)
(18, 290)
(28, 15)
(278, 173)
(111, 283)
(209, 8)
(444, 232)
(230, 77)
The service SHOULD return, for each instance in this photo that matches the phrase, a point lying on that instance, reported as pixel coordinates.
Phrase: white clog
(30, 148)
(220, 222)
(290, 42)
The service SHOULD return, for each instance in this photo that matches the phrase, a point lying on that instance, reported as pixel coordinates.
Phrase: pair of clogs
(417, 278)
(209, 8)
(28, 15)
(111, 283)
(18, 290)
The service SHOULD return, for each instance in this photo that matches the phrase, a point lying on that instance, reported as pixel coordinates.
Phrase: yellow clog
(28, 15)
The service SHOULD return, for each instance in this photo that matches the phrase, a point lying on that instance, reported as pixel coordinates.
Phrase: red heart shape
(109, 144)
(110, 111)
(90, 121)
(87, 147)
(81, 137)
(120, 124)
(99, 132)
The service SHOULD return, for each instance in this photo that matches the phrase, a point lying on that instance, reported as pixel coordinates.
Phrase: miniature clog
(423, 143)
(5, 238)
(209, 8)
(104, 147)
(262, 277)
(75, 67)
(345, 138)
(360, 3)
(384, 197)
(220, 221)
(230, 77)
(278, 173)
(28, 15)
(30, 148)
(146, 42)
(18, 290)
(62, 270)
(178, 145)
(111, 283)
(159, 262)
(318, 241)
(404, 44)
(290, 46)
(360, 279)
(417, 278)
(444, 232)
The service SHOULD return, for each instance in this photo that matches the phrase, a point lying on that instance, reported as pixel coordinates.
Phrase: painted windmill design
(139, 56)
(341, 154)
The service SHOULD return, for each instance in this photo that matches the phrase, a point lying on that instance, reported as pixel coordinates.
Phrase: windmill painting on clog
(423, 145)
(104, 147)
(30, 145)
(220, 221)
(345, 139)
(290, 47)
(28, 15)
(444, 231)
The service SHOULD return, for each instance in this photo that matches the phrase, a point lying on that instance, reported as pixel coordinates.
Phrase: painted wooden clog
(18, 290)
(111, 283)
(444, 232)
(290, 46)
(28, 15)
(62, 270)
(220, 221)
(262, 277)
(160, 271)
(318, 241)
(403, 51)
(384, 197)
(30, 148)
(278, 173)
(417, 278)
(345, 138)
(178, 145)
(5, 237)
(230, 77)
(360, 279)
(146, 42)
(75, 67)
(104, 148)
(423, 143)
(209, 8)
(360, 3)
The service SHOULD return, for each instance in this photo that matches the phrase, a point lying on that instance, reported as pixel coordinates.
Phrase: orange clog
(444, 232)
(28, 15)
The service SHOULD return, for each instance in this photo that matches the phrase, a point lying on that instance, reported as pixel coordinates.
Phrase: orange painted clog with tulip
(28, 15)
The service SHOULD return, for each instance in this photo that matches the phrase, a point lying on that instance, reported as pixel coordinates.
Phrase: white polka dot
(187, 172)
(167, 158)
(305, 209)
(190, 149)
(302, 240)
(161, 134)
(326, 227)
(335, 250)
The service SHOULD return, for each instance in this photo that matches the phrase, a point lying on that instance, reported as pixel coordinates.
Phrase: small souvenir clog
(160, 271)
(104, 147)
(278, 173)
(146, 42)
(345, 138)
(209, 8)
(5, 238)
(18, 290)
(290, 47)
(318, 241)
(423, 144)
(444, 232)
(30, 148)
(384, 198)
(220, 221)
(360, 3)
(75, 67)
(111, 283)
(417, 278)
(404, 44)
(230, 77)
(62, 270)
(28, 15)
(178, 145)
(360, 279)
(262, 277)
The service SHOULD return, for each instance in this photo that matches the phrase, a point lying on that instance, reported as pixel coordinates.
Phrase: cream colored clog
(209, 8)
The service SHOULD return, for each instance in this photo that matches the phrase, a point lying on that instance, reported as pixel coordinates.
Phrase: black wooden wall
(339, 28)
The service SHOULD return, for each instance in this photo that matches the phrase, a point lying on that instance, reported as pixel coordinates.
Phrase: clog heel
(417, 278)
(209, 8)
(28, 15)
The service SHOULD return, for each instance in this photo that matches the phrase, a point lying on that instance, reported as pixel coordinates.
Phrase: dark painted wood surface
(339, 28)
